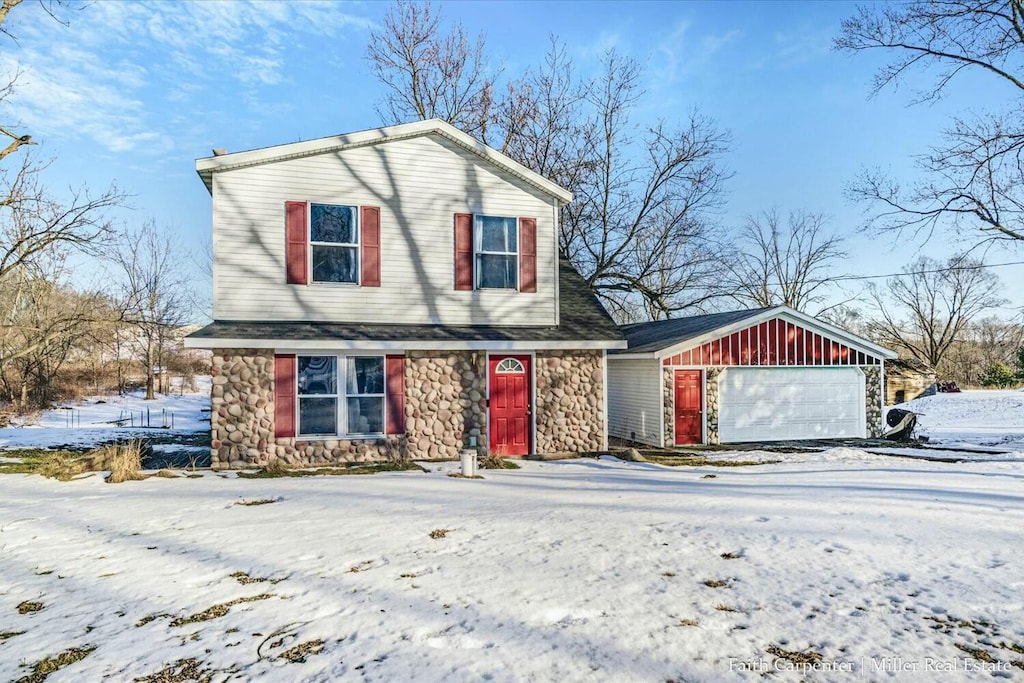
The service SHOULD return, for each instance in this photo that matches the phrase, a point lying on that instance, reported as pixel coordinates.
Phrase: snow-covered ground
(584, 570)
(860, 565)
(989, 419)
(97, 419)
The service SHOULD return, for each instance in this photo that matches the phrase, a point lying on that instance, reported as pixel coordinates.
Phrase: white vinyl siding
(784, 404)
(419, 184)
(634, 406)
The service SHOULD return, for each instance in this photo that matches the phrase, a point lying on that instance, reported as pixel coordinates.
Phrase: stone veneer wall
(241, 407)
(711, 376)
(873, 399)
(570, 411)
(445, 402)
(445, 405)
(710, 405)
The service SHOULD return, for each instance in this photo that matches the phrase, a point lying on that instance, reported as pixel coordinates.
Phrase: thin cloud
(123, 69)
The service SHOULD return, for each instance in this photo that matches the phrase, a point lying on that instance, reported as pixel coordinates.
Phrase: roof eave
(330, 344)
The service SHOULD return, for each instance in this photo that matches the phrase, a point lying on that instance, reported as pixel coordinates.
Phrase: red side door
(689, 401)
(509, 404)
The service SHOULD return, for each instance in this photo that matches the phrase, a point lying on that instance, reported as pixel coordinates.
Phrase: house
(767, 374)
(907, 379)
(392, 293)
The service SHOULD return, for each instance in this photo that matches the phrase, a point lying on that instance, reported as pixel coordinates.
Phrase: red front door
(689, 402)
(509, 404)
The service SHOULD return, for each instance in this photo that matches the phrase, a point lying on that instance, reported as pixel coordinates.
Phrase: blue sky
(133, 92)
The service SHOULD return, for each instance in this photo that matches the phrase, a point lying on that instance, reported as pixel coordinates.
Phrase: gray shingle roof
(582, 318)
(660, 334)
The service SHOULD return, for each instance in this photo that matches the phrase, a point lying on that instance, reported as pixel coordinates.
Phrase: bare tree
(154, 294)
(44, 322)
(430, 72)
(983, 344)
(974, 178)
(33, 224)
(785, 264)
(926, 310)
(641, 228)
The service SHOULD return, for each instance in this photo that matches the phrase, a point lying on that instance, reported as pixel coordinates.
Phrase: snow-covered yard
(177, 425)
(989, 418)
(851, 565)
(575, 570)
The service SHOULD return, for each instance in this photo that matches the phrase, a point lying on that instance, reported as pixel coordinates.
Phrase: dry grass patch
(460, 475)
(151, 617)
(62, 465)
(299, 653)
(183, 670)
(805, 658)
(218, 611)
(244, 579)
(256, 501)
(688, 622)
(725, 608)
(495, 462)
(5, 635)
(730, 556)
(975, 652)
(439, 533)
(123, 460)
(48, 665)
(30, 606)
(29, 460)
(361, 567)
(167, 474)
(277, 469)
(716, 583)
(690, 460)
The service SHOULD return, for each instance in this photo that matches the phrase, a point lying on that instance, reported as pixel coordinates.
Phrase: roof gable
(763, 336)
(207, 166)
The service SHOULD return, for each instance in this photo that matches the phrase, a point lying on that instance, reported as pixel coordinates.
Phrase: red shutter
(464, 251)
(370, 245)
(527, 254)
(396, 394)
(284, 396)
(295, 243)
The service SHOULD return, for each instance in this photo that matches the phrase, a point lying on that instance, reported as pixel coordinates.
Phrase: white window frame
(382, 395)
(341, 397)
(478, 251)
(349, 245)
(299, 397)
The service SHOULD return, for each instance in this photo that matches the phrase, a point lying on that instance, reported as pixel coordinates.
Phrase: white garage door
(780, 404)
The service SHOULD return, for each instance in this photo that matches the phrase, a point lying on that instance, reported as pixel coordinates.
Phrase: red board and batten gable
(772, 342)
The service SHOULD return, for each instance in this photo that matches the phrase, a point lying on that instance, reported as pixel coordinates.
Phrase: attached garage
(769, 374)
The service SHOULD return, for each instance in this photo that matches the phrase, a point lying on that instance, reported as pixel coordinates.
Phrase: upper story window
(495, 243)
(334, 240)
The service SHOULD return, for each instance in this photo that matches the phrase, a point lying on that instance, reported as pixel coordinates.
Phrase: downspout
(558, 267)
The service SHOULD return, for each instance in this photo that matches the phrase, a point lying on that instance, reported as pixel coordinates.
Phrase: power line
(945, 269)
